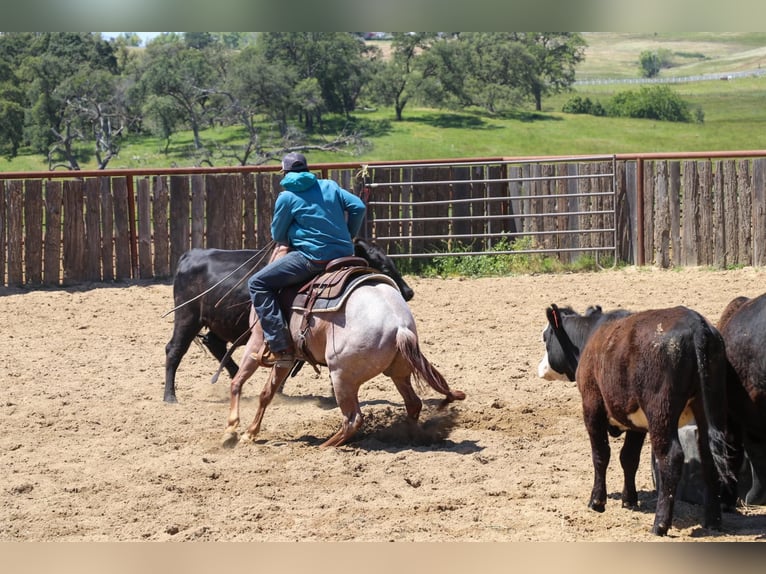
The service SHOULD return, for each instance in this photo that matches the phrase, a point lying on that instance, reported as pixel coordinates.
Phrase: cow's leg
(756, 453)
(596, 423)
(276, 378)
(217, 347)
(346, 394)
(670, 460)
(736, 460)
(184, 330)
(712, 498)
(630, 454)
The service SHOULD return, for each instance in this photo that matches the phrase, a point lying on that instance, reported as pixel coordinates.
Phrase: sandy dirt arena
(90, 452)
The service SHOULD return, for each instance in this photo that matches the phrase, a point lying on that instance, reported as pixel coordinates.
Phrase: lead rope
(260, 253)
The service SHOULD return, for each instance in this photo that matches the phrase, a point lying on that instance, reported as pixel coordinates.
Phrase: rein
(259, 253)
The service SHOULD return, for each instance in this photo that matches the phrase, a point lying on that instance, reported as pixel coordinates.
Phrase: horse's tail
(422, 369)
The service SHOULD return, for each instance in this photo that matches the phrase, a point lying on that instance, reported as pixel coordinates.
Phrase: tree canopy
(73, 96)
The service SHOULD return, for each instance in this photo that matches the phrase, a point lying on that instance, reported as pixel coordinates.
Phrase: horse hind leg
(412, 402)
(348, 401)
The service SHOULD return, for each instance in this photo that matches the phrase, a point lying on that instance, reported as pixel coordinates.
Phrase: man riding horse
(314, 222)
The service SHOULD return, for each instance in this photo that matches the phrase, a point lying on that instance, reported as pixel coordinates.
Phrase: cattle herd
(638, 373)
(657, 370)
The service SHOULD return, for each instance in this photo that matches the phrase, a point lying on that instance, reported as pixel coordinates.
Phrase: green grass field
(734, 111)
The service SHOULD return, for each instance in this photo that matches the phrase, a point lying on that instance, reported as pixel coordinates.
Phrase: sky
(145, 36)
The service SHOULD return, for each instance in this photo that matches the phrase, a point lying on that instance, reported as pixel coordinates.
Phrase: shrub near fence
(662, 209)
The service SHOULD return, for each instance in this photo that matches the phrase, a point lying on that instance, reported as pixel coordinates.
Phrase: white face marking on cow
(545, 371)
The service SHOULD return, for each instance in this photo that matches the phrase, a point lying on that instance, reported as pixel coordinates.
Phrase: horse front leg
(277, 377)
(246, 369)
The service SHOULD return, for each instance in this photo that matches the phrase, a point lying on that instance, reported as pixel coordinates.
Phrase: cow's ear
(552, 313)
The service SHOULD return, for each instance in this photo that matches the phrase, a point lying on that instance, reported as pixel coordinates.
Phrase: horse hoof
(230, 439)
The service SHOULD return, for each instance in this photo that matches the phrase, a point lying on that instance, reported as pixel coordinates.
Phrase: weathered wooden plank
(233, 216)
(268, 189)
(516, 203)
(404, 194)
(561, 187)
(420, 194)
(602, 203)
(719, 228)
(3, 229)
(144, 208)
(74, 233)
(730, 213)
(536, 204)
(674, 198)
(53, 231)
(123, 263)
(705, 199)
(547, 205)
(624, 229)
(476, 224)
(375, 228)
(198, 210)
(180, 207)
(744, 214)
(437, 194)
(33, 231)
(15, 215)
(690, 215)
(160, 226)
(661, 215)
(92, 197)
(249, 239)
(759, 211)
(461, 209)
(497, 207)
(215, 211)
(107, 229)
(648, 210)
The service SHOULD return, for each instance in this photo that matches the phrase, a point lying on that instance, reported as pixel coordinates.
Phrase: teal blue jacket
(316, 217)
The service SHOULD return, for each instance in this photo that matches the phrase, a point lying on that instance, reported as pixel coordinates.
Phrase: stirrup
(267, 358)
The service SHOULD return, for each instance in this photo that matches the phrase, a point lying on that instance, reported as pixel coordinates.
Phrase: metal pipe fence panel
(564, 206)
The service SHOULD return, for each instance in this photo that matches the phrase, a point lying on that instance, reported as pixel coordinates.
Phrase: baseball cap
(294, 161)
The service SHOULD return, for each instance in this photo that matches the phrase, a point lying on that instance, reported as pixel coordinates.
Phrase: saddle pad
(327, 305)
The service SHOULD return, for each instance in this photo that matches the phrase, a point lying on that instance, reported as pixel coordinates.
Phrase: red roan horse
(371, 331)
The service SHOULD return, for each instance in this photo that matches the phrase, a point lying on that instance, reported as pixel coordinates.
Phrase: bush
(580, 105)
(656, 103)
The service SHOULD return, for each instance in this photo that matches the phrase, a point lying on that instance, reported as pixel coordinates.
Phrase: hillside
(734, 113)
(615, 55)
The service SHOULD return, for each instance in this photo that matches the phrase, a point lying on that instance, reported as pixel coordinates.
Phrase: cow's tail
(712, 368)
(422, 369)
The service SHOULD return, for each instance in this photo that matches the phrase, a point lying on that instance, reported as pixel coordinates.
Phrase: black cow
(210, 291)
(743, 326)
(650, 371)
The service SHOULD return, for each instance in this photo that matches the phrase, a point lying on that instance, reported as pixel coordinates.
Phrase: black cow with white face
(210, 291)
(646, 372)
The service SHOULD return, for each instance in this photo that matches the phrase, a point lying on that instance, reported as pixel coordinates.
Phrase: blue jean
(292, 269)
